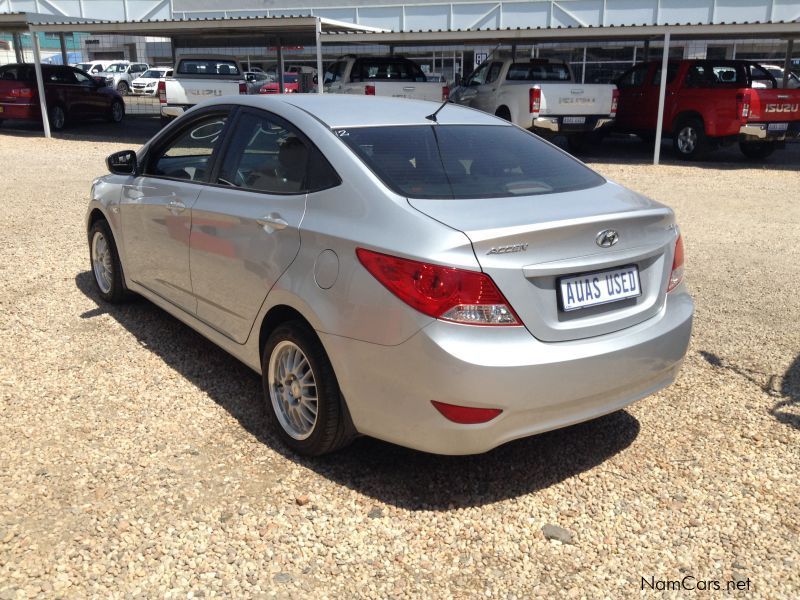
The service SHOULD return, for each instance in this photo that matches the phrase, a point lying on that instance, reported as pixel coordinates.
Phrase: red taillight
(536, 100)
(676, 275)
(465, 415)
(22, 93)
(242, 88)
(369, 90)
(614, 102)
(162, 92)
(743, 106)
(458, 295)
(445, 93)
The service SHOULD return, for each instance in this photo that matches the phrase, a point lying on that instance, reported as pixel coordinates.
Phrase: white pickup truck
(540, 95)
(198, 78)
(393, 76)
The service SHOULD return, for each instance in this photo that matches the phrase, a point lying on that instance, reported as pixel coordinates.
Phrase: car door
(649, 100)
(93, 103)
(631, 91)
(468, 93)
(65, 87)
(245, 230)
(485, 98)
(156, 206)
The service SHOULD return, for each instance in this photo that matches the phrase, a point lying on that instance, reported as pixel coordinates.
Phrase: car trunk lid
(534, 241)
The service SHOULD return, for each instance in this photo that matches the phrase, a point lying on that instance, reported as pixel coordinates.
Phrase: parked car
(121, 75)
(197, 78)
(147, 83)
(291, 85)
(441, 280)
(69, 93)
(708, 103)
(776, 72)
(94, 67)
(256, 79)
(540, 95)
(393, 76)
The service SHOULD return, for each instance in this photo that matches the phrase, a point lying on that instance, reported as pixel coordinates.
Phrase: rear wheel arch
(276, 316)
(688, 115)
(503, 112)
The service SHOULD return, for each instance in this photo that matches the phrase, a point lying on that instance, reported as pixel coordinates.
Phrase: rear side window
(466, 161)
(208, 67)
(18, 73)
(716, 75)
(537, 72)
(633, 78)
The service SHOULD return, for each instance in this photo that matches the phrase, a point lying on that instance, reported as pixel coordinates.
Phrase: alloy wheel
(687, 139)
(102, 264)
(293, 390)
(58, 117)
(117, 112)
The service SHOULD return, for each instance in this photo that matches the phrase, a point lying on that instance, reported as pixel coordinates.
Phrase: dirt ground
(135, 460)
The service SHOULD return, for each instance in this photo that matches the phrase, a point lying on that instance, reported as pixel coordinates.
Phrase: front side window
(60, 75)
(479, 76)
(466, 161)
(672, 71)
(188, 156)
(117, 68)
(494, 72)
(82, 79)
(335, 72)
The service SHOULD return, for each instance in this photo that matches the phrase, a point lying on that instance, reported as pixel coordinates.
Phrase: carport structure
(276, 31)
(784, 31)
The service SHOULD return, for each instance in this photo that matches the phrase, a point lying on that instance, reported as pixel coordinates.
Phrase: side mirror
(122, 163)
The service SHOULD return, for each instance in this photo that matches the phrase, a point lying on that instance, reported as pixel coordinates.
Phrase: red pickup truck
(709, 103)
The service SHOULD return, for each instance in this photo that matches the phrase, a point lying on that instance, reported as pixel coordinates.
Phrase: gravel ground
(135, 462)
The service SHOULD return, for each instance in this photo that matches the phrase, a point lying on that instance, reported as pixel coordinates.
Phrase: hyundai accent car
(426, 274)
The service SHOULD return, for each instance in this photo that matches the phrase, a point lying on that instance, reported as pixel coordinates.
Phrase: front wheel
(690, 140)
(757, 150)
(106, 266)
(302, 393)
(117, 111)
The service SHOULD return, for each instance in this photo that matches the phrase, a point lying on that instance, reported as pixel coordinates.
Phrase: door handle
(176, 206)
(272, 222)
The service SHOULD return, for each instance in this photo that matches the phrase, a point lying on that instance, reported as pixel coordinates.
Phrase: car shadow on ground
(786, 388)
(630, 150)
(134, 131)
(391, 474)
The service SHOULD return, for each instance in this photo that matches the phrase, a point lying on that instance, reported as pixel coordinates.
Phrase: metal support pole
(281, 66)
(63, 43)
(20, 55)
(37, 64)
(662, 92)
(646, 50)
(320, 72)
(787, 63)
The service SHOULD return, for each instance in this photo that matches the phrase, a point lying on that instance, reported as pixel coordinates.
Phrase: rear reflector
(458, 295)
(614, 102)
(535, 97)
(465, 415)
(677, 265)
(22, 93)
(369, 90)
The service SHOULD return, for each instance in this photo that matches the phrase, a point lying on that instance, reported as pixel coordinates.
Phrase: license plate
(574, 120)
(777, 127)
(602, 287)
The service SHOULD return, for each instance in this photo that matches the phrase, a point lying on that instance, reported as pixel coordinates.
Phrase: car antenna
(432, 116)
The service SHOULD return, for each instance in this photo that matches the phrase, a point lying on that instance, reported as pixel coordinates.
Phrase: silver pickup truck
(540, 95)
(198, 78)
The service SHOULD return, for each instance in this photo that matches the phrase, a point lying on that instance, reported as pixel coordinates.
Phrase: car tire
(57, 117)
(105, 264)
(117, 111)
(122, 88)
(689, 140)
(298, 379)
(757, 150)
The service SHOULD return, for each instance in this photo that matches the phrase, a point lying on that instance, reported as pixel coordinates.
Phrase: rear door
(631, 86)
(156, 207)
(245, 229)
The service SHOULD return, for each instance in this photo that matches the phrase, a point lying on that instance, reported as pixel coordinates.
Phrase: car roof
(346, 110)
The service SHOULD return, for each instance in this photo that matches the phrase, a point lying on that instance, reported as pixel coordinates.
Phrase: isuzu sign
(208, 93)
(782, 108)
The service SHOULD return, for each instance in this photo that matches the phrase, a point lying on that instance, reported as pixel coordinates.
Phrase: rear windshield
(466, 161)
(18, 72)
(153, 74)
(537, 72)
(208, 67)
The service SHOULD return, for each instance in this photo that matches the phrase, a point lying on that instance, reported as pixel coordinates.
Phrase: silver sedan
(428, 275)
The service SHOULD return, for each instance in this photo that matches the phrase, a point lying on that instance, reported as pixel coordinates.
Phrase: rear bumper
(19, 110)
(539, 386)
(556, 124)
(172, 111)
(760, 131)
